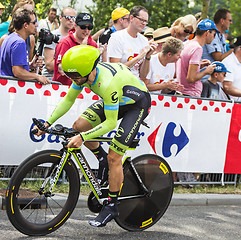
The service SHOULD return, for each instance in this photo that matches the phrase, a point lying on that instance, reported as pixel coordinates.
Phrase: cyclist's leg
(110, 210)
(90, 118)
(125, 134)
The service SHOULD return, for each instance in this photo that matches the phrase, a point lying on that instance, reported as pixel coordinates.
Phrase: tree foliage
(233, 6)
(42, 7)
(161, 13)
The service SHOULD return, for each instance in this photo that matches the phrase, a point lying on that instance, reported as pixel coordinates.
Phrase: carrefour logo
(170, 138)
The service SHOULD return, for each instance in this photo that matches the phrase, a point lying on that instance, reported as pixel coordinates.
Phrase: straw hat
(148, 32)
(160, 35)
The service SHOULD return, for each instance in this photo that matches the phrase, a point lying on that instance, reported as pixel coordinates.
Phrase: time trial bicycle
(35, 205)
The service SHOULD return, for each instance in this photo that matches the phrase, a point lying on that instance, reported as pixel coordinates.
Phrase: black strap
(161, 37)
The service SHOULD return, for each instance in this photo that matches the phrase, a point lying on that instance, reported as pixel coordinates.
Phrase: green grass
(227, 189)
(85, 189)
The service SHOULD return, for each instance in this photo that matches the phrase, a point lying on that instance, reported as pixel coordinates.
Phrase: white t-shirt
(122, 45)
(234, 66)
(158, 73)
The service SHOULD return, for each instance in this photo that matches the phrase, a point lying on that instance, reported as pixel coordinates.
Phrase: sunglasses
(83, 27)
(141, 19)
(187, 31)
(68, 17)
(34, 22)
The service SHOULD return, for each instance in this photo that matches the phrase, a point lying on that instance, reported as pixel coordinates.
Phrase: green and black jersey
(119, 89)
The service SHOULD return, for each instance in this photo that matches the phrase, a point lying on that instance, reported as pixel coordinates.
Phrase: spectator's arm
(218, 56)
(2, 38)
(49, 58)
(60, 69)
(20, 72)
(145, 65)
(134, 60)
(230, 89)
(97, 34)
(193, 75)
(32, 46)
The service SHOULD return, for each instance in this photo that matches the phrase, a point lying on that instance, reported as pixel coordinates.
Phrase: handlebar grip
(33, 131)
(39, 124)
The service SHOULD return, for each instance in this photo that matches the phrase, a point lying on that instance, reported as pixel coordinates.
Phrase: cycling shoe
(108, 212)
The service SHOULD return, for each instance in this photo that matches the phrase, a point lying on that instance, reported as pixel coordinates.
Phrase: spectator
(67, 20)
(120, 17)
(189, 64)
(160, 35)
(210, 86)
(129, 46)
(13, 53)
(1, 10)
(183, 27)
(30, 41)
(232, 82)
(160, 78)
(80, 35)
(216, 51)
(50, 22)
(148, 33)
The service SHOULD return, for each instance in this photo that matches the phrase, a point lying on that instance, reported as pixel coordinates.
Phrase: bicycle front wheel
(31, 208)
(140, 211)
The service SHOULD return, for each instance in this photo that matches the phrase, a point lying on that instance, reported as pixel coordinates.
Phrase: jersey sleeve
(66, 103)
(111, 109)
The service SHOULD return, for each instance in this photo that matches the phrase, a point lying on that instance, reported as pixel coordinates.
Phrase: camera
(46, 37)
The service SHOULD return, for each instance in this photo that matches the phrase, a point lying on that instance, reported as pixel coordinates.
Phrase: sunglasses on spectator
(141, 19)
(34, 22)
(83, 27)
(213, 31)
(68, 17)
(187, 31)
(224, 74)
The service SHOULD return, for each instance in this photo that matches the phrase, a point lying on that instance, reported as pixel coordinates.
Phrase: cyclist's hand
(39, 133)
(75, 142)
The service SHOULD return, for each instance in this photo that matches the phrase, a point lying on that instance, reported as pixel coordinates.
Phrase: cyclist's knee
(81, 125)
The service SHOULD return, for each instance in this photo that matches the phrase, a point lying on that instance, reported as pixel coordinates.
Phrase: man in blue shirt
(13, 52)
(216, 51)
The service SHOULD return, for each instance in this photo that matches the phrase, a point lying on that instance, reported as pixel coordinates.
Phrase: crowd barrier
(193, 135)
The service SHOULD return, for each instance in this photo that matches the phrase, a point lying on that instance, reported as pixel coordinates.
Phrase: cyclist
(123, 96)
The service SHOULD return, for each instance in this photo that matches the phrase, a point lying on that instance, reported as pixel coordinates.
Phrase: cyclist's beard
(81, 81)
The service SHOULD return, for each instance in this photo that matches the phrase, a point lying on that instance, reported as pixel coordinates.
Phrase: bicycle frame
(86, 170)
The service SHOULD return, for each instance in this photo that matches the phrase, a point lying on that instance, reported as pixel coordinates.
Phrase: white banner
(190, 134)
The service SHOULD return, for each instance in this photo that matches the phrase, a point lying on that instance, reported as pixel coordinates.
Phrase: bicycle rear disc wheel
(29, 209)
(140, 213)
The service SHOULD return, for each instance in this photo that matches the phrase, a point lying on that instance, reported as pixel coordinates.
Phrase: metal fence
(202, 179)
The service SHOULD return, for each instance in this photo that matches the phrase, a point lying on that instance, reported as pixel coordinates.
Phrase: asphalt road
(179, 222)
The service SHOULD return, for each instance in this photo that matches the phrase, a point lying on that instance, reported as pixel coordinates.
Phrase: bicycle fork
(59, 169)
